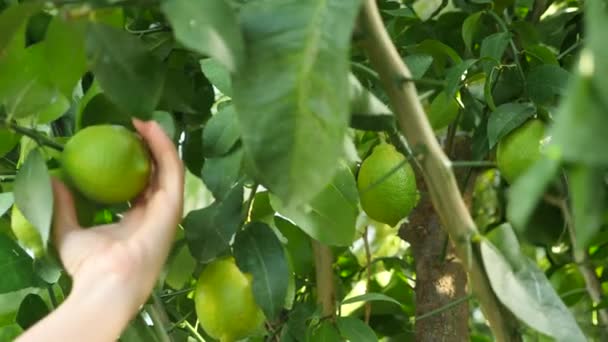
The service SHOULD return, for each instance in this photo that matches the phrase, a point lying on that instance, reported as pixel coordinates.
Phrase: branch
(435, 166)
(38, 137)
(326, 292)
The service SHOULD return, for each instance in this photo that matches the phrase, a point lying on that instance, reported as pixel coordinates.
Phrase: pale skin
(114, 267)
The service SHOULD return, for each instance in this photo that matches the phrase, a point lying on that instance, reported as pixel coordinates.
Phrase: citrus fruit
(387, 198)
(27, 235)
(520, 149)
(108, 164)
(224, 302)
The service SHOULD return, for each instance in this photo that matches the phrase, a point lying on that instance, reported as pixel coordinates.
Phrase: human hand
(129, 254)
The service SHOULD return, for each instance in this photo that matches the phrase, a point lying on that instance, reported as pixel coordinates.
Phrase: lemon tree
(364, 170)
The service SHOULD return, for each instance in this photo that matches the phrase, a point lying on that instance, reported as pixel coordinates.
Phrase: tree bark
(440, 277)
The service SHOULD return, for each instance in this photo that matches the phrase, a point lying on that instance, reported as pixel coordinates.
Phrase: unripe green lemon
(387, 199)
(108, 164)
(224, 302)
(520, 149)
(26, 233)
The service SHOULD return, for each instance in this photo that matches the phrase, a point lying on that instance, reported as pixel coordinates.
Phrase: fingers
(64, 216)
(169, 169)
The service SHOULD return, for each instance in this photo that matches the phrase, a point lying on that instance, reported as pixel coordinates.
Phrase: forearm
(92, 312)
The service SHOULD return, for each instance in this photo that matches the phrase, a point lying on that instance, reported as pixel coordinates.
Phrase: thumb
(64, 216)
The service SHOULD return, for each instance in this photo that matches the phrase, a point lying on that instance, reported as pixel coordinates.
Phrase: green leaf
(13, 19)
(8, 140)
(129, 75)
(493, 47)
(370, 297)
(325, 332)
(31, 310)
(6, 201)
(192, 151)
(336, 206)
(580, 124)
(546, 83)
(24, 86)
(34, 195)
(181, 267)
(418, 64)
(259, 252)
(16, 266)
(596, 16)
(209, 27)
(454, 76)
(101, 110)
(10, 332)
(298, 246)
(470, 27)
(303, 55)
(166, 122)
(540, 54)
(65, 53)
(187, 92)
(439, 51)
(528, 294)
(443, 111)
(527, 190)
(221, 173)
(588, 191)
(355, 330)
(209, 230)
(506, 118)
(221, 132)
(362, 101)
(218, 75)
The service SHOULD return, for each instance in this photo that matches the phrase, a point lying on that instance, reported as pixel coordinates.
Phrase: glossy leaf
(355, 330)
(298, 246)
(34, 195)
(65, 53)
(209, 27)
(13, 19)
(221, 173)
(526, 291)
(506, 118)
(369, 297)
(16, 266)
(221, 132)
(6, 201)
(218, 75)
(129, 75)
(181, 267)
(32, 309)
(470, 27)
(259, 252)
(330, 216)
(493, 47)
(209, 230)
(546, 83)
(588, 202)
(454, 76)
(308, 68)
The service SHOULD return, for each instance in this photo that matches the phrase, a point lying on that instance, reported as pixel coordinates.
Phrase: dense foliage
(273, 105)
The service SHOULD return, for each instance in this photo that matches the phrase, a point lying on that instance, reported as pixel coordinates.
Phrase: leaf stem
(193, 331)
(159, 317)
(473, 163)
(254, 190)
(435, 166)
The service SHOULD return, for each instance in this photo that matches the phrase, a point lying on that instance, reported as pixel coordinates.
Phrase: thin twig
(443, 308)
(193, 331)
(368, 280)
(38, 137)
(254, 190)
(159, 317)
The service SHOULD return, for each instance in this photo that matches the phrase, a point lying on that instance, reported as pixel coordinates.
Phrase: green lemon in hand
(520, 149)
(108, 164)
(224, 302)
(387, 199)
(26, 233)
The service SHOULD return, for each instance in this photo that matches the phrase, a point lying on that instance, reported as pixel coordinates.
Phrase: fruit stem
(326, 292)
(38, 137)
(435, 166)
